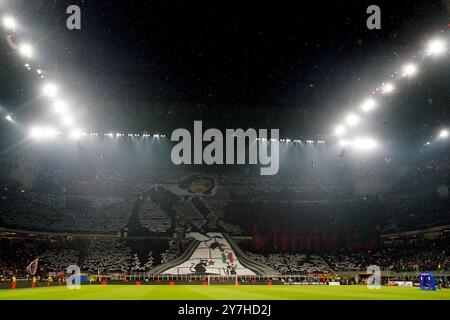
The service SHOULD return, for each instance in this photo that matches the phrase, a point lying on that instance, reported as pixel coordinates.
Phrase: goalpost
(236, 279)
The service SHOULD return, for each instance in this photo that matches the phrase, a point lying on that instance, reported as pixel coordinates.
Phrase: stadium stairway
(213, 254)
(180, 260)
(256, 266)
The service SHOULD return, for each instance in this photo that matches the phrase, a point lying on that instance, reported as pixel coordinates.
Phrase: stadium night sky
(163, 64)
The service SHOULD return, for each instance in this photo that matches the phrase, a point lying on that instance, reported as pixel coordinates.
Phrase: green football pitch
(123, 292)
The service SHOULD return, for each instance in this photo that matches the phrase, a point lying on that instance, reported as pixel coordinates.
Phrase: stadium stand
(292, 226)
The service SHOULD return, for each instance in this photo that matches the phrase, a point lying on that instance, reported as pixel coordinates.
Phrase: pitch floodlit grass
(223, 293)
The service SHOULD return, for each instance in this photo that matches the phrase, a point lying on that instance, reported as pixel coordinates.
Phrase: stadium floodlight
(340, 130)
(344, 143)
(9, 23)
(360, 144)
(43, 132)
(368, 105)
(76, 134)
(67, 120)
(36, 132)
(9, 118)
(26, 50)
(436, 47)
(365, 144)
(50, 133)
(60, 106)
(388, 88)
(50, 90)
(409, 70)
(443, 134)
(352, 119)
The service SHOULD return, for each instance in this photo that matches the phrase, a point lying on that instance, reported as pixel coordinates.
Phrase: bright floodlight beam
(26, 50)
(9, 118)
(50, 133)
(340, 130)
(368, 105)
(436, 47)
(36, 132)
(444, 134)
(365, 144)
(360, 144)
(67, 120)
(388, 88)
(352, 120)
(76, 134)
(50, 90)
(344, 143)
(43, 132)
(60, 106)
(9, 23)
(409, 70)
